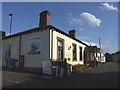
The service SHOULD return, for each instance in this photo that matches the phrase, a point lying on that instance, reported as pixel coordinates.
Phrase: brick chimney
(44, 18)
(72, 33)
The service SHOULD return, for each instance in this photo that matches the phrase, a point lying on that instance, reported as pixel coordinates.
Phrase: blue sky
(91, 20)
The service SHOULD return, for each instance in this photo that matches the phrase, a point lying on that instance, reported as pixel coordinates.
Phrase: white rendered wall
(67, 43)
(14, 48)
(34, 61)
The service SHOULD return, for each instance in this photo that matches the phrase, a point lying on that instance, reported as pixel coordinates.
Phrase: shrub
(78, 68)
(87, 66)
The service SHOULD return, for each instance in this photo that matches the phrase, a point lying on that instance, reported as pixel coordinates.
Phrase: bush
(87, 66)
(78, 68)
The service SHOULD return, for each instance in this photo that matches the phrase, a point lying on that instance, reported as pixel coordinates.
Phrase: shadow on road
(75, 80)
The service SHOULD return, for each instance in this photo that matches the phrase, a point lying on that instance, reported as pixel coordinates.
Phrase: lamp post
(10, 22)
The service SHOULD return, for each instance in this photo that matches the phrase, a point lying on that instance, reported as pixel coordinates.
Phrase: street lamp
(10, 22)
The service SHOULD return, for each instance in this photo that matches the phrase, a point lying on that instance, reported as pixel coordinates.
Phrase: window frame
(60, 39)
(80, 53)
(75, 52)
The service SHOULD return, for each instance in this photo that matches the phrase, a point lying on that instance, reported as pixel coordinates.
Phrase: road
(105, 76)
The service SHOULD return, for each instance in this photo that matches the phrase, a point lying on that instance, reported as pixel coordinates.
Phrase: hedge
(78, 68)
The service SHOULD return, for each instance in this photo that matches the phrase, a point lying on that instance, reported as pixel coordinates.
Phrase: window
(80, 53)
(60, 49)
(74, 52)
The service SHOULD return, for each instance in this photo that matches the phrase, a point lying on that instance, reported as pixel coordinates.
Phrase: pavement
(105, 76)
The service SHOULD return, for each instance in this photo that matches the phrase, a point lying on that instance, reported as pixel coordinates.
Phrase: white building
(44, 43)
(101, 58)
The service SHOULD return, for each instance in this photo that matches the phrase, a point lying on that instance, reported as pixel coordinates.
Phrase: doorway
(21, 63)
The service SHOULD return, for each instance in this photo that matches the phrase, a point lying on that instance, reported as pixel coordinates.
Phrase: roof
(118, 52)
(92, 49)
(37, 29)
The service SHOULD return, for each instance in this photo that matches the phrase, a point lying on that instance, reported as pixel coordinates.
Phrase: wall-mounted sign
(69, 47)
(34, 45)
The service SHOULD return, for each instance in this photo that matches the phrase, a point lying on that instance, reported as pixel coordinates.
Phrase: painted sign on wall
(34, 45)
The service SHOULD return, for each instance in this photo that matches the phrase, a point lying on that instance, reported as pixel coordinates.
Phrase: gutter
(19, 49)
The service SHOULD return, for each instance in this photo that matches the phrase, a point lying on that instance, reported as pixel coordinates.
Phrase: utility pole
(99, 43)
(10, 22)
(100, 47)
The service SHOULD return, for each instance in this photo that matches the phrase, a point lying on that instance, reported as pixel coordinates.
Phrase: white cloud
(85, 18)
(108, 7)
(81, 29)
(70, 14)
(76, 21)
(92, 20)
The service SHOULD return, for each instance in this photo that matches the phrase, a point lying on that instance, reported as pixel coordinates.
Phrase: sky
(91, 20)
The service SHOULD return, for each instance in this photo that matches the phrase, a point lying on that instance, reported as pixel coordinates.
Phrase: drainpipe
(7, 62)
(51, 55)
(19, 49)
(52, 45)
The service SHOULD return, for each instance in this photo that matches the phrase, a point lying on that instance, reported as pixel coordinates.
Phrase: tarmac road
(105, 76)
